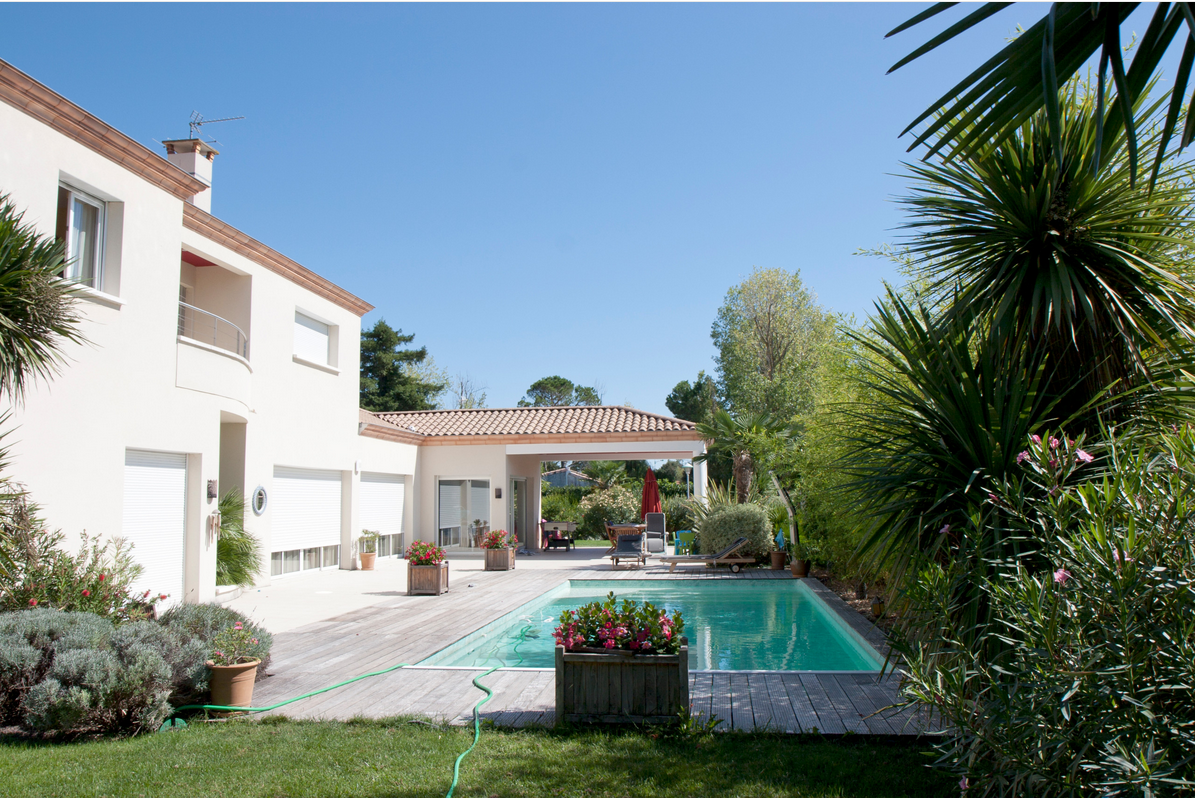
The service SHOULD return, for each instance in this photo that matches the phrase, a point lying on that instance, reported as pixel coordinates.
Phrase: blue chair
(684, 542)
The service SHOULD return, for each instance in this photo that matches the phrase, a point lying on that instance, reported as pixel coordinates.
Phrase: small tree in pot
(368, 545)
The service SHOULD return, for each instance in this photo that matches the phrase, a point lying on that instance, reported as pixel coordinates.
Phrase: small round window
(259, 500)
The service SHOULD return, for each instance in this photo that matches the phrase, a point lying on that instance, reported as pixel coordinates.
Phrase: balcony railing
(208, 328)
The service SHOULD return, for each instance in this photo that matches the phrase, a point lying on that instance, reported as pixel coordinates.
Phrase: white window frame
(330, 361)
(72, 268)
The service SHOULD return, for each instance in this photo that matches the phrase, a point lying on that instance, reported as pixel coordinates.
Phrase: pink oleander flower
(963, 784)
(1053, 463)
(1061, 575)
(1022, 457)
(944, 530)
(237, 625)
(1055, 443)
(1035, 438)
(1083, 457)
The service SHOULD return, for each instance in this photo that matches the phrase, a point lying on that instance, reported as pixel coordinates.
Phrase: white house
(213, 361)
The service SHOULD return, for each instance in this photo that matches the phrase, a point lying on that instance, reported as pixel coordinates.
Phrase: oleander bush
(678, 513)
(199, 624)
(73, 672)
(614, 505)
(726, 523)
(40, 572)
(1082, 680)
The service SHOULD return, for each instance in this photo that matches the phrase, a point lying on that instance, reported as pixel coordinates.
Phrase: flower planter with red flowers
(427, 569)
(499, 550)
(621, 663)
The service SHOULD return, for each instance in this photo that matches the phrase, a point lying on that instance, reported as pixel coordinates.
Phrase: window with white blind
(463, 510)
(314, 340)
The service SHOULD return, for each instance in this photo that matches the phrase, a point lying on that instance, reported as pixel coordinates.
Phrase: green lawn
(605, 544)
(397, 759)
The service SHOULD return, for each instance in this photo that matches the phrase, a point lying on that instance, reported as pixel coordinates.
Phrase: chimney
(195, 158)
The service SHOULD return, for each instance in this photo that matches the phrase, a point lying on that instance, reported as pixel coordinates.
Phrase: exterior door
(155, 520)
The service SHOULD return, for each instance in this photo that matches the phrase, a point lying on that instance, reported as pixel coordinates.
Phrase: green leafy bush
(678, 513)
(75, 672)
(200, 624)
(615, 505)
(559, 506)
(728, 522)
(1081, 681)
(41, 573)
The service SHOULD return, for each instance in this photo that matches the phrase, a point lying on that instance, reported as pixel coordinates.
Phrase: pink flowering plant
(626, 626)
(423, 553)
(234, 645)
(498, 539)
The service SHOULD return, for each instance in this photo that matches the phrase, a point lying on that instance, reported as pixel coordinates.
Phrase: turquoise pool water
(732, 625)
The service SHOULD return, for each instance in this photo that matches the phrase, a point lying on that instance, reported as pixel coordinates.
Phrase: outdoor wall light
(497, 493)
(211, 489)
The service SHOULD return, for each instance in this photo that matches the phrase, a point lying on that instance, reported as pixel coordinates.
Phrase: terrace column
(699, 479)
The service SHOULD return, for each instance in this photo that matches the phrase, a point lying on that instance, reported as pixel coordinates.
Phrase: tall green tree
(694, 401)
(769, 334)
(992, 102)
(556, 391)
(391, 377)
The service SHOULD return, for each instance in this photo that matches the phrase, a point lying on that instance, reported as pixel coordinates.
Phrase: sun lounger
(629, 547)
(724, 557)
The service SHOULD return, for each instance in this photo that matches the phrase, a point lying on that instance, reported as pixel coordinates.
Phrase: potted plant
(499, 550)
(778, 515)
(427, 569)
(621, 663)
(368, 543)
(233, 669)
(800, 561)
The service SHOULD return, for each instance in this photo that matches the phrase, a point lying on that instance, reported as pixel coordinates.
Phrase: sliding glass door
(462, 512)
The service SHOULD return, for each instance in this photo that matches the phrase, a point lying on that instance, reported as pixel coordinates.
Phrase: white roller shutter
(311, 339)
(305, 508)
(450, 504)
(155, 519)
(381, 503)
(479, 501)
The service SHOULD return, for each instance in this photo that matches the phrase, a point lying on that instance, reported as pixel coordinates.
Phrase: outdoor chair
(655, 532)
(684, 542)
(724, 557)
(629, 547)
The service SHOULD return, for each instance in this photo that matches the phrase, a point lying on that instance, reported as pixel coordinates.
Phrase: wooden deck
(404, 629)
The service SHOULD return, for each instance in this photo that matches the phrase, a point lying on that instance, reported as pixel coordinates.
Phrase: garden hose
(173, 722)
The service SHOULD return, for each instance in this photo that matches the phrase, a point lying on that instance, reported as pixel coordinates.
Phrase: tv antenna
(197, 121)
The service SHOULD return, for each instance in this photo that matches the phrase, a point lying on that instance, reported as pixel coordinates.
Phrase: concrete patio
(334, 625)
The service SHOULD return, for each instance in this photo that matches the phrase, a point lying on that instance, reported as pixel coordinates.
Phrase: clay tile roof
(534, 421)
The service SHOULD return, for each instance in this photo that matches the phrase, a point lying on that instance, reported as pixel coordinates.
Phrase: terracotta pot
(232, 685)
(877, 607)
(777, 561)
(800, 568)
(367, 560)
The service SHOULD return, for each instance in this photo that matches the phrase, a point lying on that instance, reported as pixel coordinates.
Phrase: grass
(278, 758)
(605, 544)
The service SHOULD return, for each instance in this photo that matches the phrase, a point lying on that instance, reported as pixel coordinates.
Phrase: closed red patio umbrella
(651, 496)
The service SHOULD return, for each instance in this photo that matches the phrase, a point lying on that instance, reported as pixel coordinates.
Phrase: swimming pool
(732, 625)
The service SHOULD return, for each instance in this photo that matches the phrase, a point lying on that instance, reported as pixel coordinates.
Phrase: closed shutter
(311, 339)
(305, 508)
(450, 504)
(479, 501)
(381, 503)
(155, 519)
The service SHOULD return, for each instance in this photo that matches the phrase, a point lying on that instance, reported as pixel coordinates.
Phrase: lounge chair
(724, 557)
(655, 532)
(629, 547)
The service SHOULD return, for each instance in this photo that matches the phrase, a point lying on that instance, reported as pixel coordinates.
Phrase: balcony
(208, 328)
(213, 355)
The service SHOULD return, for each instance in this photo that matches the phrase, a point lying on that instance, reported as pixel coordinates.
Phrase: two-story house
(213, 361)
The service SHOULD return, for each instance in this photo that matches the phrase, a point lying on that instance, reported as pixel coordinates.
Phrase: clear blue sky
(532, 189)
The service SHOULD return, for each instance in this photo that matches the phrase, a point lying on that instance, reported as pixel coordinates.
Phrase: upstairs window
(313, 340)
(81, 220)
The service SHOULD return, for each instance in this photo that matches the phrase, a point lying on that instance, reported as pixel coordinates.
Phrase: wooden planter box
(618, 688)
(427, 580)
(500, 559)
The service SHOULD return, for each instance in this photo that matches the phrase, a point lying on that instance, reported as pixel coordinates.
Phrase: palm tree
(1036, 240)
(992, 102)
(37, 314)
(748, 439)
